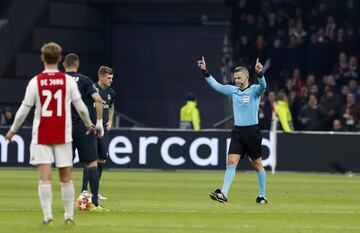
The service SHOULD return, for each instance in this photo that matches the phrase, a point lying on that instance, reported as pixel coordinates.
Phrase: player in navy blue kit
(86, 144)
(105, 75)
(246, 135)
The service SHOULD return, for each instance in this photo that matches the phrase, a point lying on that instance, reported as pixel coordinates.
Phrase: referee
(246, 135)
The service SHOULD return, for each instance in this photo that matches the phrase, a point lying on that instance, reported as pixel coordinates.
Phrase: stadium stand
(310, 48)
(307, 47)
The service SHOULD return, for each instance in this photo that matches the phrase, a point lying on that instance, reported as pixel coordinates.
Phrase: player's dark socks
(85, 179)
(100, 169)
(94, 184)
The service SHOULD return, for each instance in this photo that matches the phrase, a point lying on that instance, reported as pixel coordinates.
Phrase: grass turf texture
(179, 202)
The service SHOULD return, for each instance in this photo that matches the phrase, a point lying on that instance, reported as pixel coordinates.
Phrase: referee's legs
(233, 160)
(260, 171)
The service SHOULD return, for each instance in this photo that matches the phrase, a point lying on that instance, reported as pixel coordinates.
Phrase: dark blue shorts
(85, 144)
(103, 146)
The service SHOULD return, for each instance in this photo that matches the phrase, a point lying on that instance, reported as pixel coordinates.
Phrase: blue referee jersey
(245, 102)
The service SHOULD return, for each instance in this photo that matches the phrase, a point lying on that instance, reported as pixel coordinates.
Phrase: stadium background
(153, 46)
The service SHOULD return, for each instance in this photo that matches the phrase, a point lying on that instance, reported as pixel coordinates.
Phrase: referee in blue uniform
(246, 135)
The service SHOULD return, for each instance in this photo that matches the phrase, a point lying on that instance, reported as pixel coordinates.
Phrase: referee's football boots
(261, 200)
(217, 195)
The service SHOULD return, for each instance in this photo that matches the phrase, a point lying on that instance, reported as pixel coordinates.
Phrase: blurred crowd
(310, 50)
(6, 117)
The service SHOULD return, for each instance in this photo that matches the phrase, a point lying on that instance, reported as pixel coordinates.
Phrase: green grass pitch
(163, 201)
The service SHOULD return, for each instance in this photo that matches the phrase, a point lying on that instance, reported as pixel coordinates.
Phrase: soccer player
(86, 144)
(245, 136)
(52, 92)
(105, 75)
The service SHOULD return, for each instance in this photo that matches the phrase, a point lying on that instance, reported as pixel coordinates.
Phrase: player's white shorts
(47, 154)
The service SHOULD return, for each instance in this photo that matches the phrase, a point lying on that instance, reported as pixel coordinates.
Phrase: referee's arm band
(206, 73)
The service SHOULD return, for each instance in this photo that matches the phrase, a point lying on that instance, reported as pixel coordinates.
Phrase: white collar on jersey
(50, 70)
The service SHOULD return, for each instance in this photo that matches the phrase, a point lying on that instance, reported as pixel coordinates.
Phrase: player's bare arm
(99, 114)
(9, 135)
(111, 115)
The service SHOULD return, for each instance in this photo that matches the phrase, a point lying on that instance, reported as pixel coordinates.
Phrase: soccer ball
(84, 201)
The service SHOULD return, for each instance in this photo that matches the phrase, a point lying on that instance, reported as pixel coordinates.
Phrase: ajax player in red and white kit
(52, 92)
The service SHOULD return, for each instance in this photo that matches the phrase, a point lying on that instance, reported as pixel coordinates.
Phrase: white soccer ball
(84, 202)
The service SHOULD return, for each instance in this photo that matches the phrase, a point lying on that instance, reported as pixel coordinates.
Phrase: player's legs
(100, 164)
(64, 163)
(86, 145)
(43, 157)
(102, 150)
(80, 142)
(45, 191)
(85, 180)
(67, 192)
(93, 175)
(76, 143)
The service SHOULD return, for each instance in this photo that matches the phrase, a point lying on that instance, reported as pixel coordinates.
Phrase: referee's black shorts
(85, 144)
(246, 140)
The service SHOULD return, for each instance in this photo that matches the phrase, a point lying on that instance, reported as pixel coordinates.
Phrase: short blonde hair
(242, 69)
(51, 52)
(71, 60)
(104, 70)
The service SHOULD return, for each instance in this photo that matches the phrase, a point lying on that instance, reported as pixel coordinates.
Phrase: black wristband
(260, 75)
(206, 73)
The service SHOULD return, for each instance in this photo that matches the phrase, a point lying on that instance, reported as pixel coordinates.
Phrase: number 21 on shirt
(45, 111)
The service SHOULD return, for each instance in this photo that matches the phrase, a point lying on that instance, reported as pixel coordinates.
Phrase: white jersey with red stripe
(52, 93)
